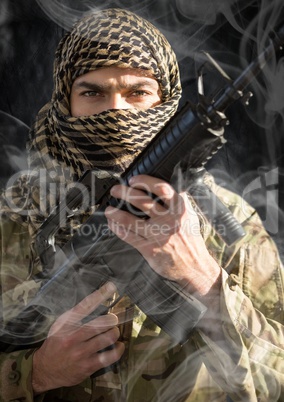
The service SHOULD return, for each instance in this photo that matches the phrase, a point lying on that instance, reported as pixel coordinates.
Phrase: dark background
(232, 31)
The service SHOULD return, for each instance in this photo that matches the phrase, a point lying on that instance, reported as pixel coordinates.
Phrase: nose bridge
(117, 101)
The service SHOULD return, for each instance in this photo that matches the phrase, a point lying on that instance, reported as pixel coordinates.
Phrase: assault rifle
(95, 255)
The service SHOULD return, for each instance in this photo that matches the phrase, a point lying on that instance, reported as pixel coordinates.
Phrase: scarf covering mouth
(65, 146)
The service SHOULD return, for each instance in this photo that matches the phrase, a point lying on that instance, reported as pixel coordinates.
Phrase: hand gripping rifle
(95, 255)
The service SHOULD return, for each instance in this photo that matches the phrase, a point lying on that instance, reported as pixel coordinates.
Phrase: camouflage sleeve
(247, 361)
(15, 377)
(15, 367)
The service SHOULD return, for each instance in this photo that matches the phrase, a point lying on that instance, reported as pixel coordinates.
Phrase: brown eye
(91, 93)
(140, 93)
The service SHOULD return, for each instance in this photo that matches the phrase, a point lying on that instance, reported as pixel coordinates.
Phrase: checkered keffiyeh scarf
(65, 146)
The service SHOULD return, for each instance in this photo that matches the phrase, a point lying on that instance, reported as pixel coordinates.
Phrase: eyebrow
(105, 87)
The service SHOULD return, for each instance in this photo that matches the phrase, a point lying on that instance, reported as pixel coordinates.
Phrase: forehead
(106, 73)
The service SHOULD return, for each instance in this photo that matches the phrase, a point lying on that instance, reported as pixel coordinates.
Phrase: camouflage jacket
(247, 364)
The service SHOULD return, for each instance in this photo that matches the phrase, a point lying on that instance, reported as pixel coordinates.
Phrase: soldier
(116, 84)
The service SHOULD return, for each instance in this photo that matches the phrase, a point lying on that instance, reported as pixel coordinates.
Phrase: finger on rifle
(89, 304)
(163, 190)
(138, 198)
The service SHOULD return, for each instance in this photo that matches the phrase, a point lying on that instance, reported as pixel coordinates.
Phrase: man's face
(113, 88)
